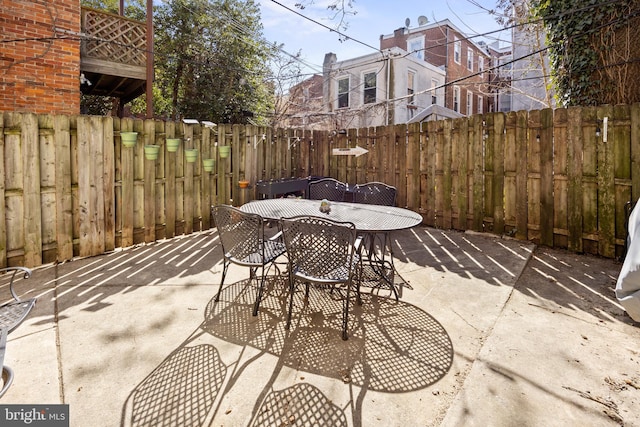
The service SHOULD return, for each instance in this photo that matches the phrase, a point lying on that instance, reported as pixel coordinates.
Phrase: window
(469, 103)
(504, 101)
(369, 88)
(343, 92)
(411, 77)
(480, 106)
(505, 66)
(470, 59)
(456, 99)
(456, 49)
(434, 85)
(416, 47)
(481, 65)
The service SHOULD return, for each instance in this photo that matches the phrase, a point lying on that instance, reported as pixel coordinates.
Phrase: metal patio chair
(377, 193)
(323, 253)
(12, 314)
(243, 243)
(327, 188)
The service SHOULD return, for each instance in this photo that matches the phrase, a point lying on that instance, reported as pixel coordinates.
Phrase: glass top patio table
(366, 218)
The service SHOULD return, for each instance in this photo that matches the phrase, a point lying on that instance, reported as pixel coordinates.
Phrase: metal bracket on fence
(605, 125)
(296, 139)
(256, 142)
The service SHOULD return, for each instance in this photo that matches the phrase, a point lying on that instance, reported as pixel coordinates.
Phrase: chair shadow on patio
(301, 404)
(393, 346)
(181, 391)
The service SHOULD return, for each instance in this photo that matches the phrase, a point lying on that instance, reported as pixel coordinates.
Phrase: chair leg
(358, 296)
(291, 292)
(345, 314)
(388, 241)
(256, 305)
(7, 378)
(224, 274)
(7, 373)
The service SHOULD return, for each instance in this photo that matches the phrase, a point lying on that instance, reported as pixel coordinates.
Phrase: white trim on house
(393, 103)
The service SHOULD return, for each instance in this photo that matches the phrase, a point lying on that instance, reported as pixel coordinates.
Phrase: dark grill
(282, 187)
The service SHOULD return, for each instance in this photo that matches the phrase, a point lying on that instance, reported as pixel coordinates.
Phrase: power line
(496, 67)
(327, 27)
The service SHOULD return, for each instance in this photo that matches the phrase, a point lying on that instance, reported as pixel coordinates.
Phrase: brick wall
(40, 76)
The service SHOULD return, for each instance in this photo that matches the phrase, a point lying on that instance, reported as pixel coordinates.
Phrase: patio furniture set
(327, 242)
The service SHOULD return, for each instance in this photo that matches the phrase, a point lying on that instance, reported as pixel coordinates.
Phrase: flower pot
(208, 164)
(172, 144)
(128, 138)
(191, 155)
(151, 151)
(225, 150)
(243, 184)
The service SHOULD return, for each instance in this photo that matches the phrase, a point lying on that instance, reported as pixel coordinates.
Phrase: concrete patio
(487, 332)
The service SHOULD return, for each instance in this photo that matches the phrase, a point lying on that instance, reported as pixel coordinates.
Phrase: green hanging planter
(151, 151)
(173, 144)
(128, 138)
(191, 155)
(224, 150)
(208, 164)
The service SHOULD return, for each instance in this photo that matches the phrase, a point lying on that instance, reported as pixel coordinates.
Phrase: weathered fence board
(560, 178)
(574, 177)
(521, 141)
(62, 181)
(589, 180)
(606, 189)
(47, 186)
(149, 198)
(489, 174)
(31, 191)
(413, 167)
(498, 191)
(430, 202)
(533, 175)
(621, 141)
(554, 177)
(546, 177)
(170, 176)
(476, 172)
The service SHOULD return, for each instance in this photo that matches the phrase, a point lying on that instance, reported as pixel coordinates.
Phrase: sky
(373, 18)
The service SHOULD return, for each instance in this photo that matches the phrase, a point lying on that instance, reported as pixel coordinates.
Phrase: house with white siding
(387, 87)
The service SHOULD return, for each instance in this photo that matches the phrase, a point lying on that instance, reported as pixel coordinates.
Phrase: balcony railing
(113, 54)
(113, 38)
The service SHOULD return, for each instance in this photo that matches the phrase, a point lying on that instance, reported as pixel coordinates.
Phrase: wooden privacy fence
(560, 178)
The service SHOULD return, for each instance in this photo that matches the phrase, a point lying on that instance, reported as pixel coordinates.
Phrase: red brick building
(47, 47)
(464, 62)
(40, 56)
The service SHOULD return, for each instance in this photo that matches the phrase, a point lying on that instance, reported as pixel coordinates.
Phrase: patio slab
(487, 331)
